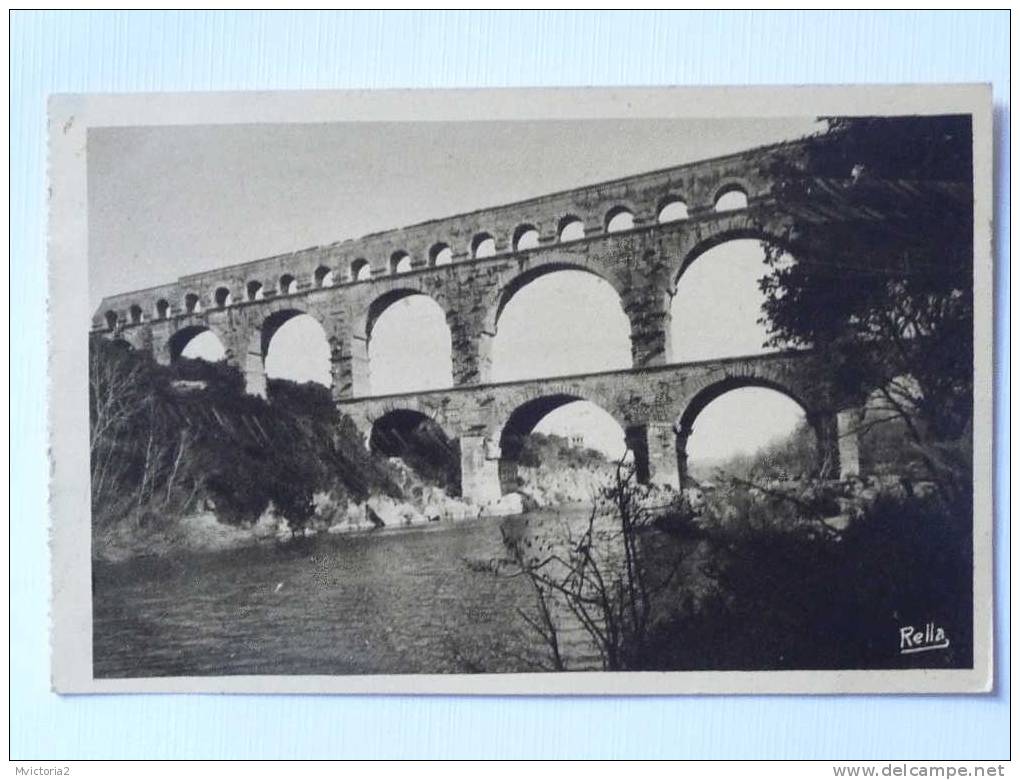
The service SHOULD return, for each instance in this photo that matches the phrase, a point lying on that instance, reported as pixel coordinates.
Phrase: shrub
(160, 449)
(803, 597)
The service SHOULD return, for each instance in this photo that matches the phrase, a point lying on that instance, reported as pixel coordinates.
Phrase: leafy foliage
(880, 221)
(789, 457)
(422, 445)
(553, 451)
(602, 577)
(796, 595)
(170, 440)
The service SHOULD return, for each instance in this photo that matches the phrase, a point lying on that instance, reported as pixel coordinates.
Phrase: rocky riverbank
(190, 462)
(336, 513)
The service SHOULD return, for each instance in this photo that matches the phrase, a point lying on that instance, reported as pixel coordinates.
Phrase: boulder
(265, 527)
(838, 522)
(375, 519)
(695, 498)
(204, 532)
(326, 507)
(510, 504)
(354, 518)
(283, 531)
(410, 515)
(460, 510)
(384, 511)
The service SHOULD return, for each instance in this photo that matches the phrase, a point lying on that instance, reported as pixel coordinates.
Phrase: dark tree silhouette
(880, 222)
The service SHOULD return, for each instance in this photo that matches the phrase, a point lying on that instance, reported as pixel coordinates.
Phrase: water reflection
(402, 601)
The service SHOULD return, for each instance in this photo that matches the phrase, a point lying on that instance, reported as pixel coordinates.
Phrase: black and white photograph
(442, 402)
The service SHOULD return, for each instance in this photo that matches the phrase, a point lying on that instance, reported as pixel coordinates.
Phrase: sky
(168, 201)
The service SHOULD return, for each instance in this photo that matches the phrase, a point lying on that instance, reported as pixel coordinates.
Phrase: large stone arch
(684, 424)
(836, 441)
(657, 432)
(693, 244)
(367, 313)
(529, 402)
(719, 387)
(517, 281)
(525, 276)
(519, 414)
(420, 440)
(728, 226)
(268, 319)
(432, 406)
(519, 424)
(396, 414)
(187, 330)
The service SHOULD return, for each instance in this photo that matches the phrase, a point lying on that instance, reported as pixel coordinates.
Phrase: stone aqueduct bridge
(639, 234)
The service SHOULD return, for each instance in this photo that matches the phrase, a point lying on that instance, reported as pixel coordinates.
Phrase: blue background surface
(122, 51)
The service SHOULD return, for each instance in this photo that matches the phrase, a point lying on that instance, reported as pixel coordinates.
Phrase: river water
(393, 601)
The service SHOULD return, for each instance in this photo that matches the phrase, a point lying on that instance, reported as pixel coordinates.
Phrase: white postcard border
(70, 116)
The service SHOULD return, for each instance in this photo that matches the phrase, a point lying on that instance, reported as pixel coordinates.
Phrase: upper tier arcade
(690, 192)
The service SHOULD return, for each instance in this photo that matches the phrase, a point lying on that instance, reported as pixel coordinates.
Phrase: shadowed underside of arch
(558, 320)
(684, 426)
(744, 229)
(421, 443)
(419, 333)
(258, 346)
(522, 421)
(522, 280)
(179, 341)
(273, 323)
(378, 306)
(713, 391)
(525, 417)
(390, 432)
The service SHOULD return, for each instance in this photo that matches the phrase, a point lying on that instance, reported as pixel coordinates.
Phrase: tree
(878, 214)
(170, 440)
(115, 395)
(603, 576)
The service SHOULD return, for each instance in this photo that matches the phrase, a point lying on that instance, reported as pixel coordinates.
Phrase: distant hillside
(884, 448)
(552, 451)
